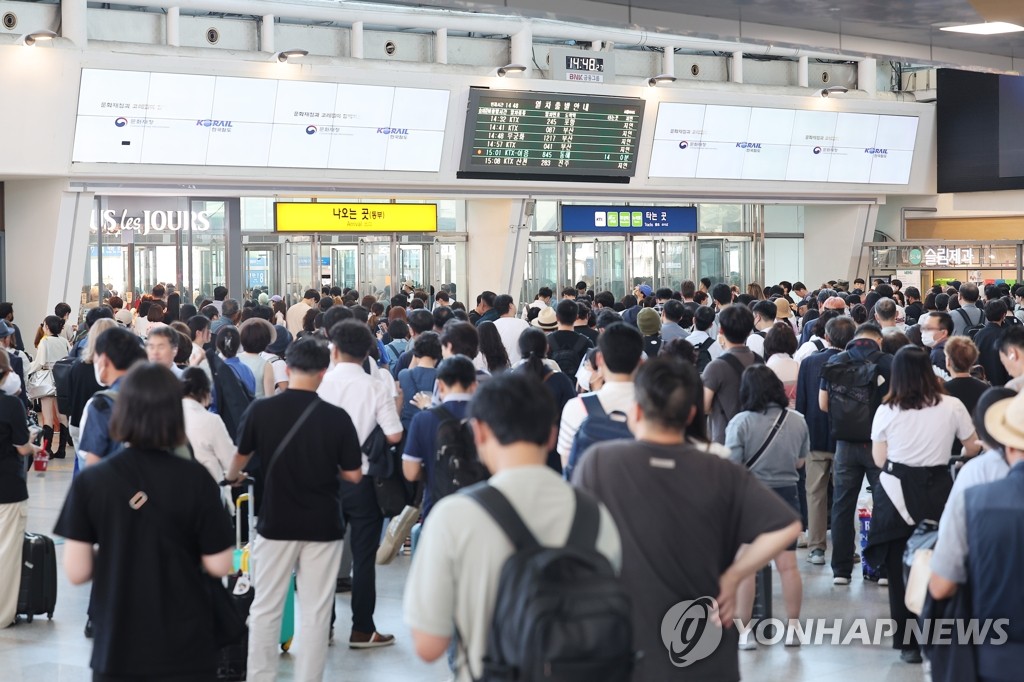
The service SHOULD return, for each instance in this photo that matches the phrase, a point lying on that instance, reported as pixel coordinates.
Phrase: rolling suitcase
(241, 563)
(38, 592)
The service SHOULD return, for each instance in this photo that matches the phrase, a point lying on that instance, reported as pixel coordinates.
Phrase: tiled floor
(56, 651)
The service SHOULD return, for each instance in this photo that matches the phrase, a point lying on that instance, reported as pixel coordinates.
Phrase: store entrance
(617, 263)
(377, 265)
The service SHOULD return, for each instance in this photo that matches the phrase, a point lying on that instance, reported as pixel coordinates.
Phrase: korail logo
(689, 632)
(393, 131)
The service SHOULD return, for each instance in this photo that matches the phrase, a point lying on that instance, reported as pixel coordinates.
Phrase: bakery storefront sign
(148, 221)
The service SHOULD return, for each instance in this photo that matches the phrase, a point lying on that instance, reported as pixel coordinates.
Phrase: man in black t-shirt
(300, 521)
(681, 544)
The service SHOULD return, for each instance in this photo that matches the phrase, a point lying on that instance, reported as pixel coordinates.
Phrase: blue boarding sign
(579, 218)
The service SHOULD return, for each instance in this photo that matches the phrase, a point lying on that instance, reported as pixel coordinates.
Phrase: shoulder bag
(768, 441)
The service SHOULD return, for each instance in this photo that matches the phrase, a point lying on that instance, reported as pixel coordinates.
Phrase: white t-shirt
(786, 369)
(510, 328)
(755, 342)
(922, 438)
(615, 396)
(698, 337)
(810, 348)
(455, 572)
(211, 443)
(279, 366)
(366, 399)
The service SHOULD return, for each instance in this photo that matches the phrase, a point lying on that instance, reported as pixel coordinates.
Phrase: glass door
(450, 266)
(261, 268)
(375, 276)
(204, 262)
(342, 259)
(711, 260)
(298, 267)
(643, 263)
(414, 265)
(737, 262)
(155, 264)
(580, 257)
(610, 270)
(673, 263)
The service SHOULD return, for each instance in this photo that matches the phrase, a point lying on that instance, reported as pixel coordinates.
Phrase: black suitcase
(38, 592)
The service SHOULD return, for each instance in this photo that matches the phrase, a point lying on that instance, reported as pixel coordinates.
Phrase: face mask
(96, 373)
(928, 338)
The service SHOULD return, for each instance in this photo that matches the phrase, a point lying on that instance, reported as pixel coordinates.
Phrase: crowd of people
(742, 423)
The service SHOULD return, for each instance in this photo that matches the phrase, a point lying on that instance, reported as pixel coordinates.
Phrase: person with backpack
(764, 318)
(935, 331)
(988, 340)
(477, 556)
(852, 386)
(968, 317)
(399, 332)
(669, 495)
(649, 324)
(705, 346)
(597, 416)
(838, 333)
(722, 376)
(116, 350)
(420, 377)
(533, 346)
(509, 327)
(567, 346)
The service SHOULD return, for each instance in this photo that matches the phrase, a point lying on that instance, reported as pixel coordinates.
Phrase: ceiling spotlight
(510, 68)
(833, 90)
(654, 81)
(37, 37)
(286, 55)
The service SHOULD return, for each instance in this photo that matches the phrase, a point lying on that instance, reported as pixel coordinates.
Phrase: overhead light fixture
(510, 68)
(988, 28)
(31, 39)
(655, 81)
(834, 90)
(286, 55)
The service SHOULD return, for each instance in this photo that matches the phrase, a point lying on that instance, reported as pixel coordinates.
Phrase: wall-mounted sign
(941, 256)
(137, 117)
(354, 217)
(577, 218)
(115, 222)
(581, 66)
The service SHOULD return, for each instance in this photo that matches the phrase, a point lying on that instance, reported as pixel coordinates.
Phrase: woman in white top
(913, 432)
(779, 345)
(274, 354)
(256, 334)
(50, 347)
(211, 443)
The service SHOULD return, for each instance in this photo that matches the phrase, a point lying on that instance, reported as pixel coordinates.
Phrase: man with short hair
(839, 332)
(567, 346)
(668, 496)
(442, 299)
(304, 446)
(764, 318)
(705, 285)
(799, 291)
(703, 328)
(453, 582)
(161, 347)
(988, 340)
(671, 317)
(620, 347)
(485, 311)
(297, 313)
(634, 302)
(117, 349)
(509, 327)
(569, 294)
(219, 294)
(230, 315)
(604, 300)
(542, 301)
(858, 285)
(369, 404)
(662, 296)
(1011, 354)
(935, 331)
(885, 314)
(722, 376)
(913, 310)
(853, 459)
(968, 314)
(687, 290)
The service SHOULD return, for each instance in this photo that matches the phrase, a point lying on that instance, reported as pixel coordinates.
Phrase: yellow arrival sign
(354, 217)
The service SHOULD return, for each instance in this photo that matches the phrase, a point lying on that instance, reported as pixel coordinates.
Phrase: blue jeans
(852, 462)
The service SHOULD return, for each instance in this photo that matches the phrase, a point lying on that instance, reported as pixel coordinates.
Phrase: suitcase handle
(245, 498)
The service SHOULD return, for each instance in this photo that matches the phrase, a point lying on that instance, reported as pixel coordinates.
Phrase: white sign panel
(729, 142)
(178, 119)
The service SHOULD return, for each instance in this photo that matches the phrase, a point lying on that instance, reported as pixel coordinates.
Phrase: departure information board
(551, 136)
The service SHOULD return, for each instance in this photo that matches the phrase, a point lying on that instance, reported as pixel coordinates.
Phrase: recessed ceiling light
(988, 28)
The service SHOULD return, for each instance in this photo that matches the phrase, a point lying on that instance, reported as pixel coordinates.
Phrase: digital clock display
(589, 64)
(551, 136)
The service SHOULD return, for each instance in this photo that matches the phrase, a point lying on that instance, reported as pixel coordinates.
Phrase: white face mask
(96, 373)
(928, 338)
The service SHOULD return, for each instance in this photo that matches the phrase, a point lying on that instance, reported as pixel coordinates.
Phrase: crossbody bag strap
(771, 436)
(291, 434)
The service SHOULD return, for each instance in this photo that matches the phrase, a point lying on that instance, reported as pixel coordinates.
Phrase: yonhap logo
(393, 131)
(689, 633)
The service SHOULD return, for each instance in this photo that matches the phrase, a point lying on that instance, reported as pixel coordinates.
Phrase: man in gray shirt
(722, 375)
(671, 316)
(968, 314)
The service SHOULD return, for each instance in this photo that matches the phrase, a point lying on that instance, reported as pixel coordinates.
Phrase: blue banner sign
(577, 218)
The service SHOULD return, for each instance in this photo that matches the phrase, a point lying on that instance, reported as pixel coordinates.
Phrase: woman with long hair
(50, 347)
(772, 442)
(533, 346)
(779, 346)
(153, 513)
(212, 445)
(229, 342)
(173, 312)
(492, 351)
(912, 434)
(755, 291)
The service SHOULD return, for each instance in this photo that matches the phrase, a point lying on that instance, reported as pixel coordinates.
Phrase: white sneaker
(398, 530)
(883, 582)
(801, 541)
(840, 580)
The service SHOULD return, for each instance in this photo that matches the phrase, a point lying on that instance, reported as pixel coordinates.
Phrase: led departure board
(551, 136)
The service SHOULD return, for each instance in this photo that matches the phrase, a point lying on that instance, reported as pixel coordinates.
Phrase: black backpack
(233, 396)
(62, 380)
(560, 612)
(703, 351)
(853, 397)
(456, 464)
(568, 359)
(971, 329)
